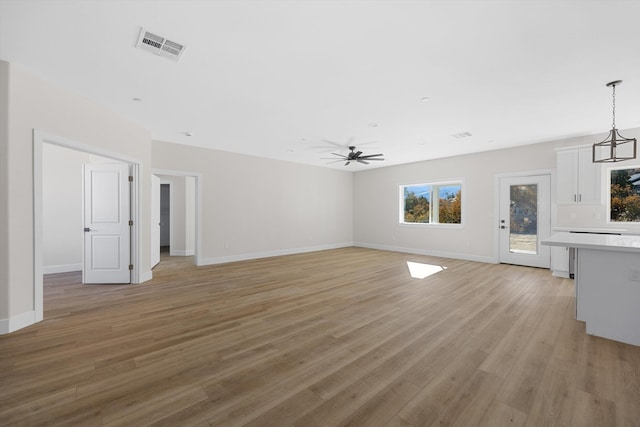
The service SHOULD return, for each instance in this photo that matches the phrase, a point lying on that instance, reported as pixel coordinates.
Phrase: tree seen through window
(625, 195)
(430, 203)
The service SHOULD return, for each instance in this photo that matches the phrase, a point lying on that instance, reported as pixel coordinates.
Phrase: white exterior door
(107, 233)
(525, 220)
(155, 220)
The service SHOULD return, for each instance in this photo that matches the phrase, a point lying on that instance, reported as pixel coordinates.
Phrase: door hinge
(130, 222)
(130, 266)
(130, 178)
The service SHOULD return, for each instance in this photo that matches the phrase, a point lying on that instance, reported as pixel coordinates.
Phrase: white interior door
(155, 220)
(107, 233)
(525, 220)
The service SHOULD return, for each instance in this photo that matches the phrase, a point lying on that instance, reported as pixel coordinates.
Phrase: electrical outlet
(634, 275)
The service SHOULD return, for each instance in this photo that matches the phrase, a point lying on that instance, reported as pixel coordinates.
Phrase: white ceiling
(284, 79)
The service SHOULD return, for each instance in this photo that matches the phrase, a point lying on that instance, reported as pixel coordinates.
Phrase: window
(431, 203)
(624, 203)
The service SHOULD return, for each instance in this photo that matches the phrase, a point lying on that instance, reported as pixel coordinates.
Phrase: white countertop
(607, 242)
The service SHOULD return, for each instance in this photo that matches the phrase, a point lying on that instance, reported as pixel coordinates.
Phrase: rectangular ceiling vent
(159, 45)
(461, 135)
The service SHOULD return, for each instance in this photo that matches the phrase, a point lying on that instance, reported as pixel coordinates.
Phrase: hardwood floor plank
(500, 415)
(554, 402)
(330, 338)
(592, 411)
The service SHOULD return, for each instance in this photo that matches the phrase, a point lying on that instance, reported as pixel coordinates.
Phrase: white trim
(147, 275)
(452, 181)
(440, 254)
(65, 268)
(197, 255)
(553, 207)
(40, 138)
(187, 252)
(496, 201)
(268, 254)
(19, 321)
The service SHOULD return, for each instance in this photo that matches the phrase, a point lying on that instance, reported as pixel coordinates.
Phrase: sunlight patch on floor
(419, 270)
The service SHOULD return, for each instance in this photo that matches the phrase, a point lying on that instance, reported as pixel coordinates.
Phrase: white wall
(254, 207)
(376, 203)
(34, 103)
(62, 208)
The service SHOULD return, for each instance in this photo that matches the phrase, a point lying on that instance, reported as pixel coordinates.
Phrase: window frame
(608, 193)
(432, 183)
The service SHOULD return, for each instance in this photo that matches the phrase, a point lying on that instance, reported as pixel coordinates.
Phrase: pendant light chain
(614, 107)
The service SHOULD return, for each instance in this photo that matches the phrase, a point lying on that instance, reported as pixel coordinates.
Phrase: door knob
(87, 229)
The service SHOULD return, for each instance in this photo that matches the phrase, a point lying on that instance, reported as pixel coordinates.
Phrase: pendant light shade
(616, 148)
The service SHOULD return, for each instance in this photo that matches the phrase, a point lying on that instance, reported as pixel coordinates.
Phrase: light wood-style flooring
(331, 338)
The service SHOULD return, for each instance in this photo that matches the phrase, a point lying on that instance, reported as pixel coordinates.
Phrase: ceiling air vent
(461, 135)
(159, 45)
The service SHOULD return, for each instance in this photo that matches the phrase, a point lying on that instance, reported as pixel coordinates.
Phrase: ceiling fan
(354, 156)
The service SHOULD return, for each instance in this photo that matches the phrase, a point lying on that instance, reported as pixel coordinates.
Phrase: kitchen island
(607, 282)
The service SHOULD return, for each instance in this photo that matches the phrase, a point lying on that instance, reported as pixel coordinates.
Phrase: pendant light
(608, 151)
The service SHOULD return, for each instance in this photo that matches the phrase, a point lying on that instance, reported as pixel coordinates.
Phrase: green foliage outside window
(437, 204)
(416, 207)
(625, 195)
(450, 208)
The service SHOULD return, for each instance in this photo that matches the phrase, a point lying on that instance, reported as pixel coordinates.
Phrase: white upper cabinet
(578, 177)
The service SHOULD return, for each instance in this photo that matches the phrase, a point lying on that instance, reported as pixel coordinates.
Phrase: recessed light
(373, 125)
(425, 99)
(188, 134)
(137, 99)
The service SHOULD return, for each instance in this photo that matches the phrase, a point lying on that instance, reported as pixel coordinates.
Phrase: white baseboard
(17, 322)
(440, 254)
(268, 254)
(65, 268)
(187, 252)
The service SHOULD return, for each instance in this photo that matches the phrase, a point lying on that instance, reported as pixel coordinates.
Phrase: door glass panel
(523, 228)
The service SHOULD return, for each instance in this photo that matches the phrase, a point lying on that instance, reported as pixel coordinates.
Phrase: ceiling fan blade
(347, 164)
(371, 155)
(334, 143)
(362, 161)
(340, 155)
(335, 161)
(375, 158)
(357, 154)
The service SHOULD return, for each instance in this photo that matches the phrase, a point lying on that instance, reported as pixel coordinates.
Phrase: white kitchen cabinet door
(588, 177)
(578, 177)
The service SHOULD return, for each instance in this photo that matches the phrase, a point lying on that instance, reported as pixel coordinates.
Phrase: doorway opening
(165, 218)
(43, 140)
(524, 216)
(175, 215)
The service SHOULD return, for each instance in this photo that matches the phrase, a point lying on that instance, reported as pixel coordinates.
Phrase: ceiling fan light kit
(356, 156)
(615, 148)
